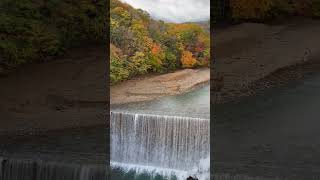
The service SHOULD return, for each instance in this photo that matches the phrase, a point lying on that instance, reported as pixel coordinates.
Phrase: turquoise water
(193, 104)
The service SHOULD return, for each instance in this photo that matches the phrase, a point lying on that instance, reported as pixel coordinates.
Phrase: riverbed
(155, 86)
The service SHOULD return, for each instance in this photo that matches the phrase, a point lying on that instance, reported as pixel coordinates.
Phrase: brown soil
(250, 56)
(152, 87)
(66, 93)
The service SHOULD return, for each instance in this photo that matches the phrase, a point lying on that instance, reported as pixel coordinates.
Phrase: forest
(33, 31)
(261, 10)
(141, 45)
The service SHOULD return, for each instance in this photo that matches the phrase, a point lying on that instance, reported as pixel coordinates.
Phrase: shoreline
(153, 87)
(254, 57)
(278, 78)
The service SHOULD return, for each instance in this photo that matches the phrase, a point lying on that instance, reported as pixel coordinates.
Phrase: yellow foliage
(187, 59)
(139, 28)
(178, 28)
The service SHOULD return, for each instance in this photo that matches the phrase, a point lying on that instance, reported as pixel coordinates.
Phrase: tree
(187, 59)
(118, 68)
(139, 64)
(149, 45)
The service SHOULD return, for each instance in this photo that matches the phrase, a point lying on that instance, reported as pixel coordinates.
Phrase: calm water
(275, 133)
(193, 104)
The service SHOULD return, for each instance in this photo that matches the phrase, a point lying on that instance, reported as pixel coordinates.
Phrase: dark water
(75, 154)
(273, 134)
(195, 104)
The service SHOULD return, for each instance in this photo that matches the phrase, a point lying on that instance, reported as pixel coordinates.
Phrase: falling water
(166, 142)
(13, 169)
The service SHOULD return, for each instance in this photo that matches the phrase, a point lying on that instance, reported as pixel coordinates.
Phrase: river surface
(192, 104)
(272, 134)
(159, 133)
(64, 154)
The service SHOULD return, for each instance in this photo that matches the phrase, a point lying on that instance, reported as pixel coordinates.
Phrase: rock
(191, 178)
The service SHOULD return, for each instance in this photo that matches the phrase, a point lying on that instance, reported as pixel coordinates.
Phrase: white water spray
(161, 143)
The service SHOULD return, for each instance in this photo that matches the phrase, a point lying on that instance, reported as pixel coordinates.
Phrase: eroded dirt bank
(253, 56)
(152, 87)
(67, 93)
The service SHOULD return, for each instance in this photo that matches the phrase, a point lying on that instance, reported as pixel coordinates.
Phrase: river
(168, 138)
(273, 134)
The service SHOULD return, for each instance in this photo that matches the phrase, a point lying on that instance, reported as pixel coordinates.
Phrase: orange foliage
(155, 49)
(187, 59)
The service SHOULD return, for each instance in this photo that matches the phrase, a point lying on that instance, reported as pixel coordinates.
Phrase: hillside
(141, 45)
(205, 25)
(39, 30)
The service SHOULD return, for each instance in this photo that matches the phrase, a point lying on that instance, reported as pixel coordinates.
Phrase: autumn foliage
(38, 31)
(187, 59)
(264, 9)
(144, 45)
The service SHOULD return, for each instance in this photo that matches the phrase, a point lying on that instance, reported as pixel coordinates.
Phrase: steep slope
(140, 45)
(39, 30)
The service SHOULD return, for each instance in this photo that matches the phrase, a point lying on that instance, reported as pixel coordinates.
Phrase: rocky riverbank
(155, 86)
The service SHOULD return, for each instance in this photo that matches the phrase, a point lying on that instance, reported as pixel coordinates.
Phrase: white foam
(162, 141)
(202, 172)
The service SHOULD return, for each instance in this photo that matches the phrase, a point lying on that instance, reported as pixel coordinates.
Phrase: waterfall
(167, 142)
(20, 169)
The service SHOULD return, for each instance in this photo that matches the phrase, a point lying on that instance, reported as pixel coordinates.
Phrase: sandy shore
(253, 56)
(67, 93)
(152, 87)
